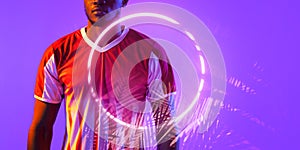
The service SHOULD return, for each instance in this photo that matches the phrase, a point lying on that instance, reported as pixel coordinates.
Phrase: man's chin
(108, 18)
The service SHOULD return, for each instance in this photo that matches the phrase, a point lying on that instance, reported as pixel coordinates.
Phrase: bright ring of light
(211, 52)
(154, 15)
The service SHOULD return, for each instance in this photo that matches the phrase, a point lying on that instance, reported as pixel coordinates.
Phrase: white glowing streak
(207, 107)
(90, 56)
(198, 47)
(202, 65)
(201, 85)
(89, 78)
(190, 35)
(89, 64)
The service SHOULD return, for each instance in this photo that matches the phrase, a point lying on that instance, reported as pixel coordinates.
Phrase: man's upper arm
(48, 95)
(44, 114)
(40, 132)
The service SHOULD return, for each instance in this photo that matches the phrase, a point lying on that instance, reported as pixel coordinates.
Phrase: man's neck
(94, 31)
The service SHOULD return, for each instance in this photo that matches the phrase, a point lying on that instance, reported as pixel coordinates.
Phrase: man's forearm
(39, 138)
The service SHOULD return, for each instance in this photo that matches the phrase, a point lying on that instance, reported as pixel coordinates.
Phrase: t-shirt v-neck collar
(106, 47)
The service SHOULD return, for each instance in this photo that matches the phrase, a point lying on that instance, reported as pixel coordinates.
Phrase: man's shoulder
(63, 46)
(67, 40)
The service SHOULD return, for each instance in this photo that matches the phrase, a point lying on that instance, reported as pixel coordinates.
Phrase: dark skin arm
(40, 131)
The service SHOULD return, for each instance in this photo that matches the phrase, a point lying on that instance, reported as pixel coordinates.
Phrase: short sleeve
(48, 88)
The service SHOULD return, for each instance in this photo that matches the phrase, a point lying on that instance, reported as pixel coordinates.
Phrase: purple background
(259, 44)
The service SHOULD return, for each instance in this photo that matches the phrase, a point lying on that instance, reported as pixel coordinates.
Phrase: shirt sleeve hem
(46, 100)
